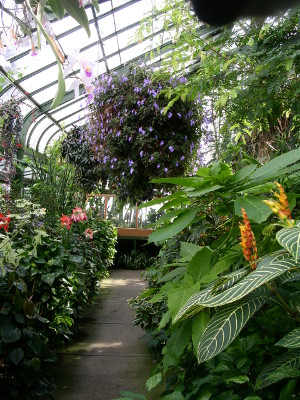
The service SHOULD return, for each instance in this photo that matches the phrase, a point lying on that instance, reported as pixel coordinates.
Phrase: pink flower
(78, 215)
(88, 234)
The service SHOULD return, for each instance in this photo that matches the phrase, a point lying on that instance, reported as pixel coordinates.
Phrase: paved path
(108, 354)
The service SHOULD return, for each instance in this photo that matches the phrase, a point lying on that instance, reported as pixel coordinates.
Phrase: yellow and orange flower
(280, 207)
(248, 241)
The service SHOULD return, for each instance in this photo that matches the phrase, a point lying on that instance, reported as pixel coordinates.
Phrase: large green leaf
(271, 169)
(153, 381)
(188, 250)
(226, 324)
(78, 13)
(201, 192)
(16, 355)
(243, 173)
(187, 182)
(57, 8)
(224, 263)
(217, 286)
(176, 344)
(199, 266)
(291, 340)
(289, 238)
(61, 90)
(173, 203)
(259, 189)
(284, 367)
(178, 296)
(199, 325)
(162, 199)
(10, 333)
(254, 206)
(265, 272)
(181, 222)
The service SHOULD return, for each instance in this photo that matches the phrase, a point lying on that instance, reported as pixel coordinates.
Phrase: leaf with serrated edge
(291, 340)
(264, 273)
(225, 325)
(289, 238)
(290, 360)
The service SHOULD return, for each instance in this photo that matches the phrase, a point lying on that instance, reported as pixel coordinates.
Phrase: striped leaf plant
(210, 295)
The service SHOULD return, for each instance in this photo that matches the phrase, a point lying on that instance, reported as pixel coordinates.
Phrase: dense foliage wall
(47, 277)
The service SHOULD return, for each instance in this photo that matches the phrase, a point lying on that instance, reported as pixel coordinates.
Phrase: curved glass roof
(110, 46)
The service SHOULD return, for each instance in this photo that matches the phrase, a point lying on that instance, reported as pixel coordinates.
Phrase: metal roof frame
(32, 123)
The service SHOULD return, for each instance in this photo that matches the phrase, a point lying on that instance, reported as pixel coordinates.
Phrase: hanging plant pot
(135, 137)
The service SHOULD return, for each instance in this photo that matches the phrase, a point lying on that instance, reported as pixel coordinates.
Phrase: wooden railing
(136, 232)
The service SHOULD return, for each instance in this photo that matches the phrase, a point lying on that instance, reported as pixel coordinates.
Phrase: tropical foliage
(246, 74)
(46, 281)
(211, 294)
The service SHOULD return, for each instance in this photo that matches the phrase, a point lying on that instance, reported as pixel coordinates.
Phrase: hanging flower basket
(134, 137)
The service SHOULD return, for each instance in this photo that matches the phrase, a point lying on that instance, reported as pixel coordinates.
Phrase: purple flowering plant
(132, 137)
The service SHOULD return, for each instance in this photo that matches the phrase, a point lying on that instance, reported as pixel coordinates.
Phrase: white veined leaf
(291, 340)
(289, 238)
(223, 283)
(284, 367)
(225, 325)
(265, 272)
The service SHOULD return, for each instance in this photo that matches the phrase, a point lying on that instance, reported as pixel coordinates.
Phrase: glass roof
(112, 47)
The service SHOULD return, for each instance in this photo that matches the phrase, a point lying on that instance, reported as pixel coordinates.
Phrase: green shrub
(45, 283)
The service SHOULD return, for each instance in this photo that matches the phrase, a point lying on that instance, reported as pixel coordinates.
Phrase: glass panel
(131, 14)
(110, 46)
(113, 62)
(107, 26)
(125, 38)
(104, 7)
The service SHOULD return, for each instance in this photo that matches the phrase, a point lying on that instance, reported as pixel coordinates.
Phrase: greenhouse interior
(149, 212)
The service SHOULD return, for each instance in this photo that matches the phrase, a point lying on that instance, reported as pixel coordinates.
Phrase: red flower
(2, 158)
(66, 221)
(4, 222)
(19, 145)
(78, 215)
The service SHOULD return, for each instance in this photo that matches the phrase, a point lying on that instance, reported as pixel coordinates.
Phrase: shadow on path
(108, 354)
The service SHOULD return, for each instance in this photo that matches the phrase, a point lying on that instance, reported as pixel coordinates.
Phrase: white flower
(3, 62)
(86, 72)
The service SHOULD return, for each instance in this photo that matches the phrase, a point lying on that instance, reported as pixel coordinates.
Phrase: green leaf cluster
(214, 300)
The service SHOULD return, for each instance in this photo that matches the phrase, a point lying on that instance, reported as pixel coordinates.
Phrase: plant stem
(282, 301)
(26, 28)
(231, 228)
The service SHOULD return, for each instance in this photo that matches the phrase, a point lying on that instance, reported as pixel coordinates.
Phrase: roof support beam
(100, 39)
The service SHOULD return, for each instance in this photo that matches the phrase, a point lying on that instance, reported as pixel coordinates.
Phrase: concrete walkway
(108, 354)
